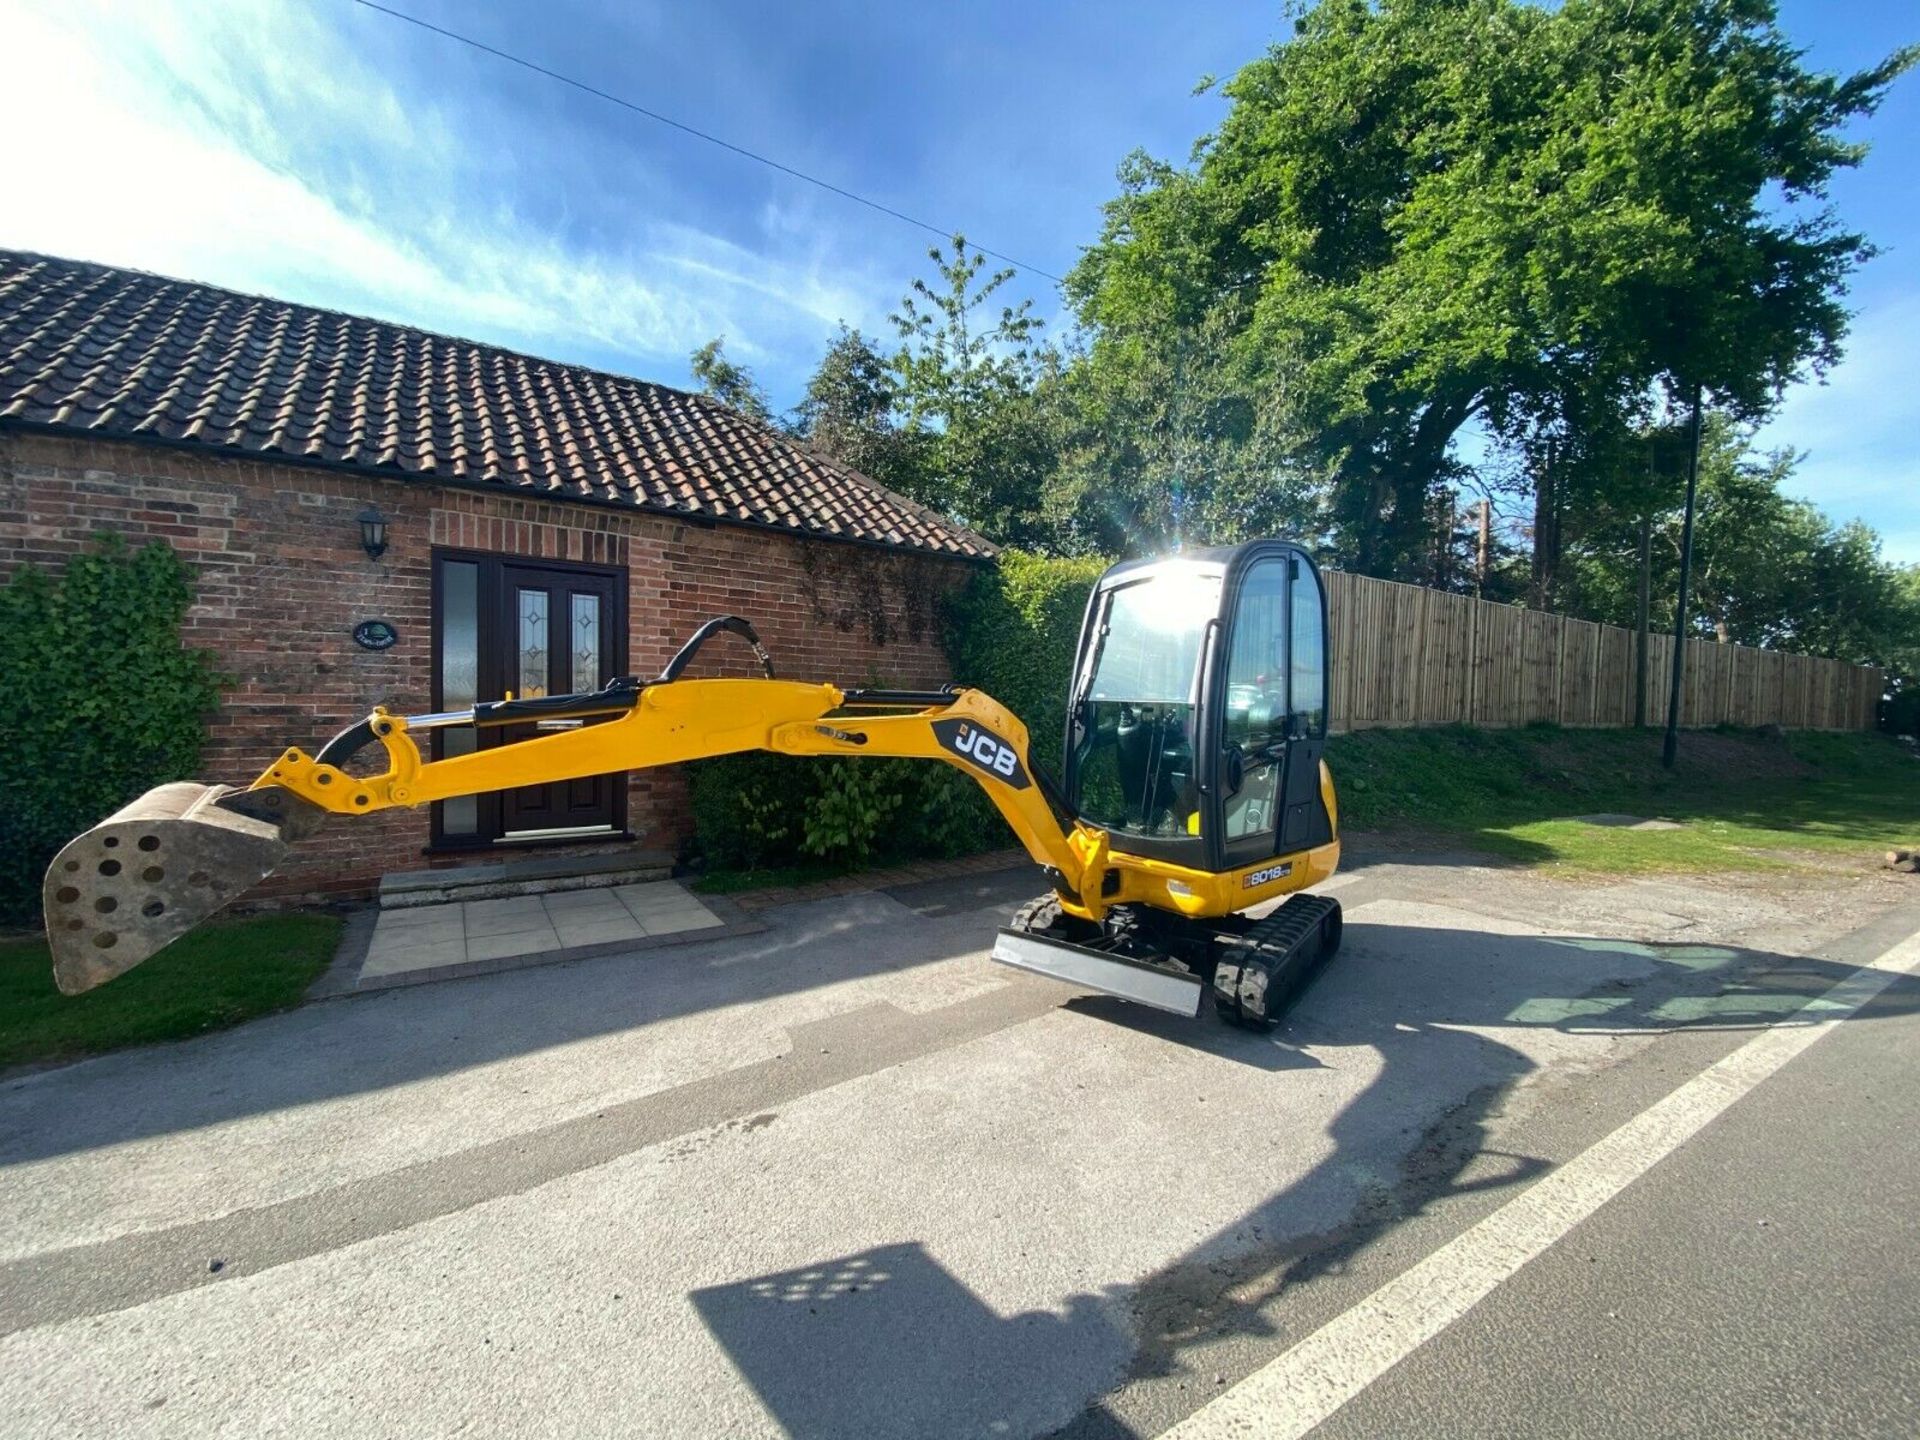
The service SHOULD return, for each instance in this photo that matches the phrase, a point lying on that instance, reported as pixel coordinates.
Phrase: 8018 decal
(1266, 873)
(984, 749)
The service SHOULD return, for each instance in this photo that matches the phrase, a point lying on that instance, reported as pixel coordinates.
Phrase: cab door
(1304, 821)
(1272, 708)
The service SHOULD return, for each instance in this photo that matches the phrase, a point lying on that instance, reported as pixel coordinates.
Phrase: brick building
(546, 526)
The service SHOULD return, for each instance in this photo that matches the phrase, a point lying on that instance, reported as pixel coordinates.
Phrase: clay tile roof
(132, 356)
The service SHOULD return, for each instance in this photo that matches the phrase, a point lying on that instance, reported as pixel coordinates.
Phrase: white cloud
(250, 146)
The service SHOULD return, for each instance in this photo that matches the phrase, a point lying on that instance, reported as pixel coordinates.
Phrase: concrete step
(539, 876)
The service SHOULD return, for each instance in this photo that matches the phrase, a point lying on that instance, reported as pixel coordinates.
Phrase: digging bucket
(152, 871)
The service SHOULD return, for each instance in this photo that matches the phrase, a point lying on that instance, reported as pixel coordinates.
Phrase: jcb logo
(978, 745)
(982, 748)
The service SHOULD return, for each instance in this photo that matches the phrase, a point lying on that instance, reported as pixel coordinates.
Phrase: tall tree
(1419, 213)
(1689, 150)
(1171, 446)
(967, 371)
(732, 385)
(1902, 711)
(850, 412)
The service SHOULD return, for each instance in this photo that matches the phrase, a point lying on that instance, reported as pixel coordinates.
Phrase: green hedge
(757, 811)
(1012, 633)
(102, 701)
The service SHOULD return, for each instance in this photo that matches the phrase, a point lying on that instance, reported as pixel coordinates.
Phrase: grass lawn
(1744, 800)
(221, 974)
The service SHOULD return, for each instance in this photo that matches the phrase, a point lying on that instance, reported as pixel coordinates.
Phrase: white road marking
(1295, 1392)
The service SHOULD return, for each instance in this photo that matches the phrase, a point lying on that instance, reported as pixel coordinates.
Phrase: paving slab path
(452, 938)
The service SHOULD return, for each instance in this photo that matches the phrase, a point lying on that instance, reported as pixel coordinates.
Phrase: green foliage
(1901, 713)
(853, 809)
(758, 811)
(968, 379)
(103, 701)
(747, 808)
(220, 975)
(1421, 213)
(1013, 633)
(1161, 447)
(1768, 570)
(732, 385)
(851, 412)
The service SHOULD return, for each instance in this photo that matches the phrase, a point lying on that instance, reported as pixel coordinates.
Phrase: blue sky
(329, 154)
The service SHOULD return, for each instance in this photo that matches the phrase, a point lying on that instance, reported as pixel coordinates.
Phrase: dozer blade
(149, 873)
(1117, 975)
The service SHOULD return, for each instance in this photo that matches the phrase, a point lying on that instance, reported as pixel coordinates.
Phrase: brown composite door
(533, 628)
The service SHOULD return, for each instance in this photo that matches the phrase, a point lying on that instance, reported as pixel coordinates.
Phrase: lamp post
(1670, 747)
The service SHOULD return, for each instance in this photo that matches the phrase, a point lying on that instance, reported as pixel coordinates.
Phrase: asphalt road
(846, 1178)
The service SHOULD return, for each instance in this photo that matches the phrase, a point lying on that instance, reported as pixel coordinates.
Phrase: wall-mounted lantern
(373, 532)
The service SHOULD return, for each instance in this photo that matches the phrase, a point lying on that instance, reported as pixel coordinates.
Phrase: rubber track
(1261, 971)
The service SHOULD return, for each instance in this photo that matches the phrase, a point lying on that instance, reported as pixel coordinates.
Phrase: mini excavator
(1194, 788)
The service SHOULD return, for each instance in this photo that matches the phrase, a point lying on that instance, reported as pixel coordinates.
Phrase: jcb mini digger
(1194, 788)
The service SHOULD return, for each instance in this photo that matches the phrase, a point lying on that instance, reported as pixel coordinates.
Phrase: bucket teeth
(149, 873)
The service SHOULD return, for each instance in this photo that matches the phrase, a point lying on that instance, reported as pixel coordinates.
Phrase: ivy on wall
(848, 587)
(102, 700)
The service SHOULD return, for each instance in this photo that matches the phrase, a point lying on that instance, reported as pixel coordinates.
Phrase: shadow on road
(888, 1342)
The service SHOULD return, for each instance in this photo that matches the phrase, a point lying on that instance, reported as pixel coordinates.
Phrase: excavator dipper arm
(668, 723)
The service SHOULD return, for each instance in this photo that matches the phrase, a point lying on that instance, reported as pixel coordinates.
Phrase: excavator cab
(1198, 712)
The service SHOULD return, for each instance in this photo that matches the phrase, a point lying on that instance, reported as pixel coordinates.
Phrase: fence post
(1593, 678)
(1473, 662)
(1560, 676)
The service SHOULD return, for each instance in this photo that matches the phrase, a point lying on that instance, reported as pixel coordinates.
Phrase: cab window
(1254, 725)
(1134, 771)
(1308, 654)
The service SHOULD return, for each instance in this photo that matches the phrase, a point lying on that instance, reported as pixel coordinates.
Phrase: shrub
(756, 811)
(749, 809)
(103, 701)
(1900, 711)
(852, 808)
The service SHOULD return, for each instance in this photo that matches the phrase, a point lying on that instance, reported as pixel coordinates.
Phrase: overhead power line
(943, 232)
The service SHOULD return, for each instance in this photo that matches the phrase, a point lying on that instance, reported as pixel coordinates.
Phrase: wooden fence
(1403, 655)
